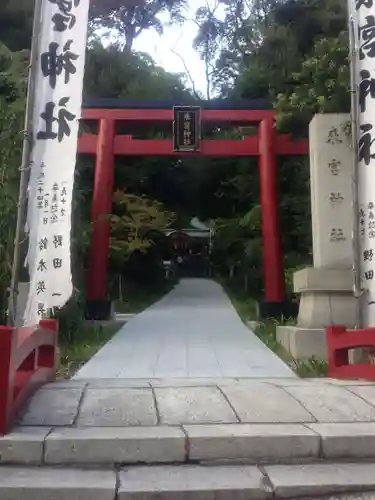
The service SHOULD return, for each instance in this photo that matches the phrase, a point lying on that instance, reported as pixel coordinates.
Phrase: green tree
(114, 73)
(16, 22)
(320, 86)
(129, 19)
(13, 69)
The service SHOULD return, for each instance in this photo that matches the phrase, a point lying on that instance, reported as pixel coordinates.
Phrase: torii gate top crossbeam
(212, 111)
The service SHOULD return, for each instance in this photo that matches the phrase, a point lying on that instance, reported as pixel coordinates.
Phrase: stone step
(191, 482)
(252, 443)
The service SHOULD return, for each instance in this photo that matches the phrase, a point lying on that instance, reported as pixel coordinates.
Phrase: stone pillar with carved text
(326, 296)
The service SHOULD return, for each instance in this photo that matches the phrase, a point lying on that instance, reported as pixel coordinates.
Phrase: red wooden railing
(27, 360)
(339, 342)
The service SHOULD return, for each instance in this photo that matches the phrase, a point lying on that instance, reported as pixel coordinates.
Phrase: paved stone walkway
(193, 332)
(122, 421)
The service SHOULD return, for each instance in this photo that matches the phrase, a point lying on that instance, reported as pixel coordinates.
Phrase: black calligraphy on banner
(367, 37)
(58, 240)
(57, 263)
(55, 204)
(63, 118)
(41, 287)
(53, 64)
(46, 202)
(366, 88)
(41, 309)
(371, 221)
(362, 221)
(369, 275)
(365, 143)
(43, 244)
(63, 201)
(368, 255)
(364, 3)
(40, 188)
(63, 195)
(42, 265)
(64, 19)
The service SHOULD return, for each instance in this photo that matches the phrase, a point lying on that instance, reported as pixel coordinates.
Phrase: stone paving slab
(186, 405)
(53, 407)
(290, 481)
(56, 484)
(117, 407)
(328, 403)
(262, 403)
(171, 404)
(192, 483)
(366, 392)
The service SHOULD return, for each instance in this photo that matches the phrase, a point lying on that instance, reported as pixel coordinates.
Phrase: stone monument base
(303, 343)
(326, 299)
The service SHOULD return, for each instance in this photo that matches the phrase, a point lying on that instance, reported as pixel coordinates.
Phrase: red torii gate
(107, 144)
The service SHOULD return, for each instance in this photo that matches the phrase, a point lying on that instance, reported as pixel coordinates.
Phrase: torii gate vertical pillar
(272, 249)
(97, 305)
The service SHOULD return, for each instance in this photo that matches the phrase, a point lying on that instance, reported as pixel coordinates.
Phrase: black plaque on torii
(186, 128)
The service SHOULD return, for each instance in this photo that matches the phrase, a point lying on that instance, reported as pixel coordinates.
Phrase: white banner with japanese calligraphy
(56, 114)
(362, 21)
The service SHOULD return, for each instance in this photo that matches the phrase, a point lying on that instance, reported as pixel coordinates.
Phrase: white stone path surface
(192, 332)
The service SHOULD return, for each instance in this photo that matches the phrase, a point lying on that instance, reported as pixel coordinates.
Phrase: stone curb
(288, 481)
(258, 443)
(253, 443)
(116, 445)
(18, 483)
(315, 481)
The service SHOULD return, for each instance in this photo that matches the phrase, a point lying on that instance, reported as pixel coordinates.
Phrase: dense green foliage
(292, 53)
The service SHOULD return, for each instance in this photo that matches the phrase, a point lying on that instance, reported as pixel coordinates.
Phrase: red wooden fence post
(49, 324)
(47, 355)
(6, 389)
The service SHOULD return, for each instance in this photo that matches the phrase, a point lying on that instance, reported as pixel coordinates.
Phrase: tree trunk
(129, 38)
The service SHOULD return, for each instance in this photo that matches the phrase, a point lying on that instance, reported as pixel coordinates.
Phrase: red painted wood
(124, 145)
(154, 115)
(339, 342)
(27, 360)
(273, 266)
(107, 145)
(101, 207)
(6, 343)
(87, 143)
(286, 146)
(127, 146)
